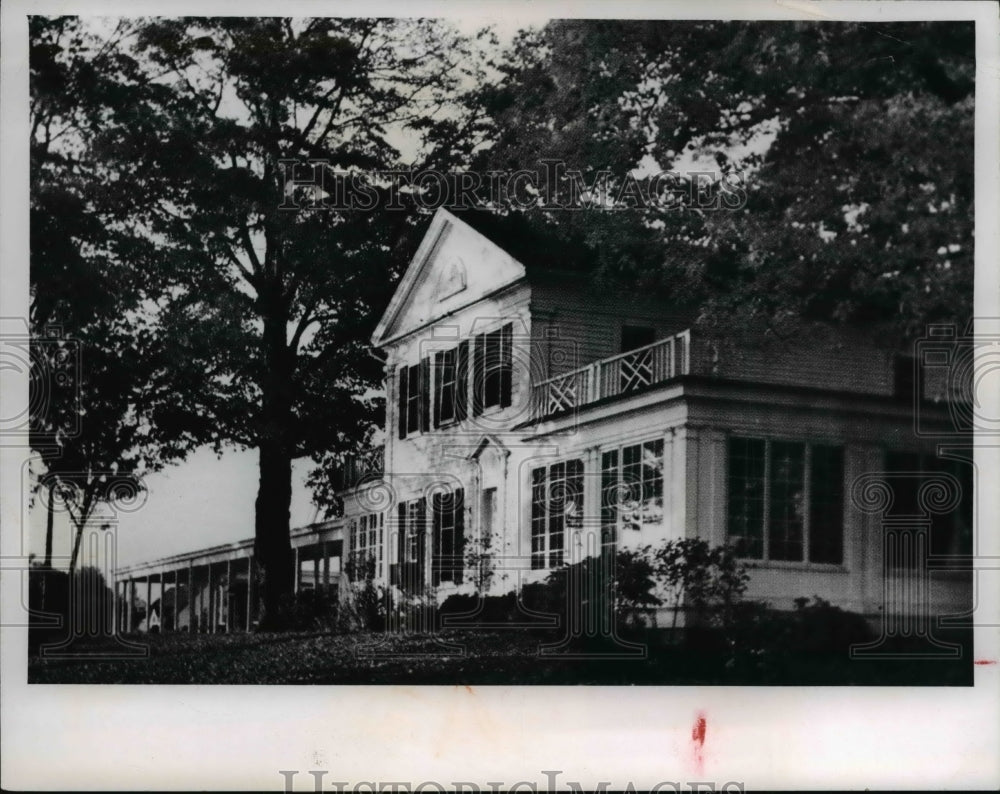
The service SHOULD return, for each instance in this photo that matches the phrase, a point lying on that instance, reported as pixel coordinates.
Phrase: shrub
(601, 593)
(706, 580)
(767, 643)
(481, 609)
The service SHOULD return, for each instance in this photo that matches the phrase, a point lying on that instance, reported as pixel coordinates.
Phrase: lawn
(463, 657)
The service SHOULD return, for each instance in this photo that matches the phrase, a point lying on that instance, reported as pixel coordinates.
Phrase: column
(229, 595)
(129, 600)
(326, 563)
(149, 599)
(119, 607)
(315, 570)
(177, 590)
(190, 597)
(296, 590)
(211, 601)
(249, 592)
(590, 534)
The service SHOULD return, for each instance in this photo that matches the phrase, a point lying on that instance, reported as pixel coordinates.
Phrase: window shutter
(425, 394)
(401, 387)
(462, 381)
(436, 387)
(478, 374)
(436, 539)
(506, 365)
(421, 540)
(459, 550)
(401, 543)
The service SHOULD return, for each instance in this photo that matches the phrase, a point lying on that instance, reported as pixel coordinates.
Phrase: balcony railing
(357, 468)
(611, 377)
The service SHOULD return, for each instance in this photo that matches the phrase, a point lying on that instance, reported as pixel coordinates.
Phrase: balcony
(355, 469)
(612, 377)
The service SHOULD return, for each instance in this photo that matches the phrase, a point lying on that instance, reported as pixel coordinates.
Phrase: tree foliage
(847, 145)
(269, 308)
(108, 403)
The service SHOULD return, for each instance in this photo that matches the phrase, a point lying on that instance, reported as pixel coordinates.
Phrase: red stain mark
(698, 740)
(985, 661)
(468, 689)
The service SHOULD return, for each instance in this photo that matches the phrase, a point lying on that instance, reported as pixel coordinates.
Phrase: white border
(139, 738)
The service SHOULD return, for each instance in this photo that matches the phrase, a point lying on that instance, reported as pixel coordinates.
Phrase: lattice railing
(617, 375)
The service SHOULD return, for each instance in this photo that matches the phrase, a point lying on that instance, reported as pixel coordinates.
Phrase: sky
(202, 502)
(208, 499)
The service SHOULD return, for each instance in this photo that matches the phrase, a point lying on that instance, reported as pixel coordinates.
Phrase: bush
(707, 581)
(67, 607)
(764, 642)
(600, 596)
(481, 609)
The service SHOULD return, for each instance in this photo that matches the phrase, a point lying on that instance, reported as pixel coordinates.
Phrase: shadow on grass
(483, 657)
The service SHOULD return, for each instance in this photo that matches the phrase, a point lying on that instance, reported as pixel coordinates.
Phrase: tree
(846, 149)
(101, 384)
(277, 305)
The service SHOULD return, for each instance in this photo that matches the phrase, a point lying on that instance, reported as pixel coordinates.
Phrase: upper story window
(786, 500)
(439, 386)
(451, 384)
(556, 507)
(493, 369)
(414, 398)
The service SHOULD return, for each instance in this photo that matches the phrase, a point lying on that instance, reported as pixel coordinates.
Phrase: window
(631, 489)
(951, 533)
(409, 567)
(414, 398)
(556, 506)
(786, 500)
(488, 513)
(446, 383)
(366, 537)
(449, 529)
(493, 369)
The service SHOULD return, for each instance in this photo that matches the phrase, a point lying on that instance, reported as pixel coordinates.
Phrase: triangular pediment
(455, 266)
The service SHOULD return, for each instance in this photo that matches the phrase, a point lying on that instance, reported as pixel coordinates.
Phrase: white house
(533, 418)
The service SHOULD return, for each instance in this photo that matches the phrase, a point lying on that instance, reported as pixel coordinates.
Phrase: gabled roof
(536, 251)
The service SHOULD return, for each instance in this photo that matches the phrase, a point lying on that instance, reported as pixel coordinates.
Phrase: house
(533, 419)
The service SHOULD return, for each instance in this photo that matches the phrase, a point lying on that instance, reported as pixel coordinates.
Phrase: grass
(465, 657)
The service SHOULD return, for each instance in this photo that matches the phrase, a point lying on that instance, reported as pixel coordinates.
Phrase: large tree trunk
(48, 525)
(272, 543)
(272, 535)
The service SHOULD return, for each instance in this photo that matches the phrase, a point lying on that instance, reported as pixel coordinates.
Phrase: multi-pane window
(447, 510)
(442, 381)
(445, 386)
(631, 489)
(367, 545)
(493, 369)
(409, 568)
(412, 531)
(414, 398)
(786, 500)
(950, 532)
(556, 508)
